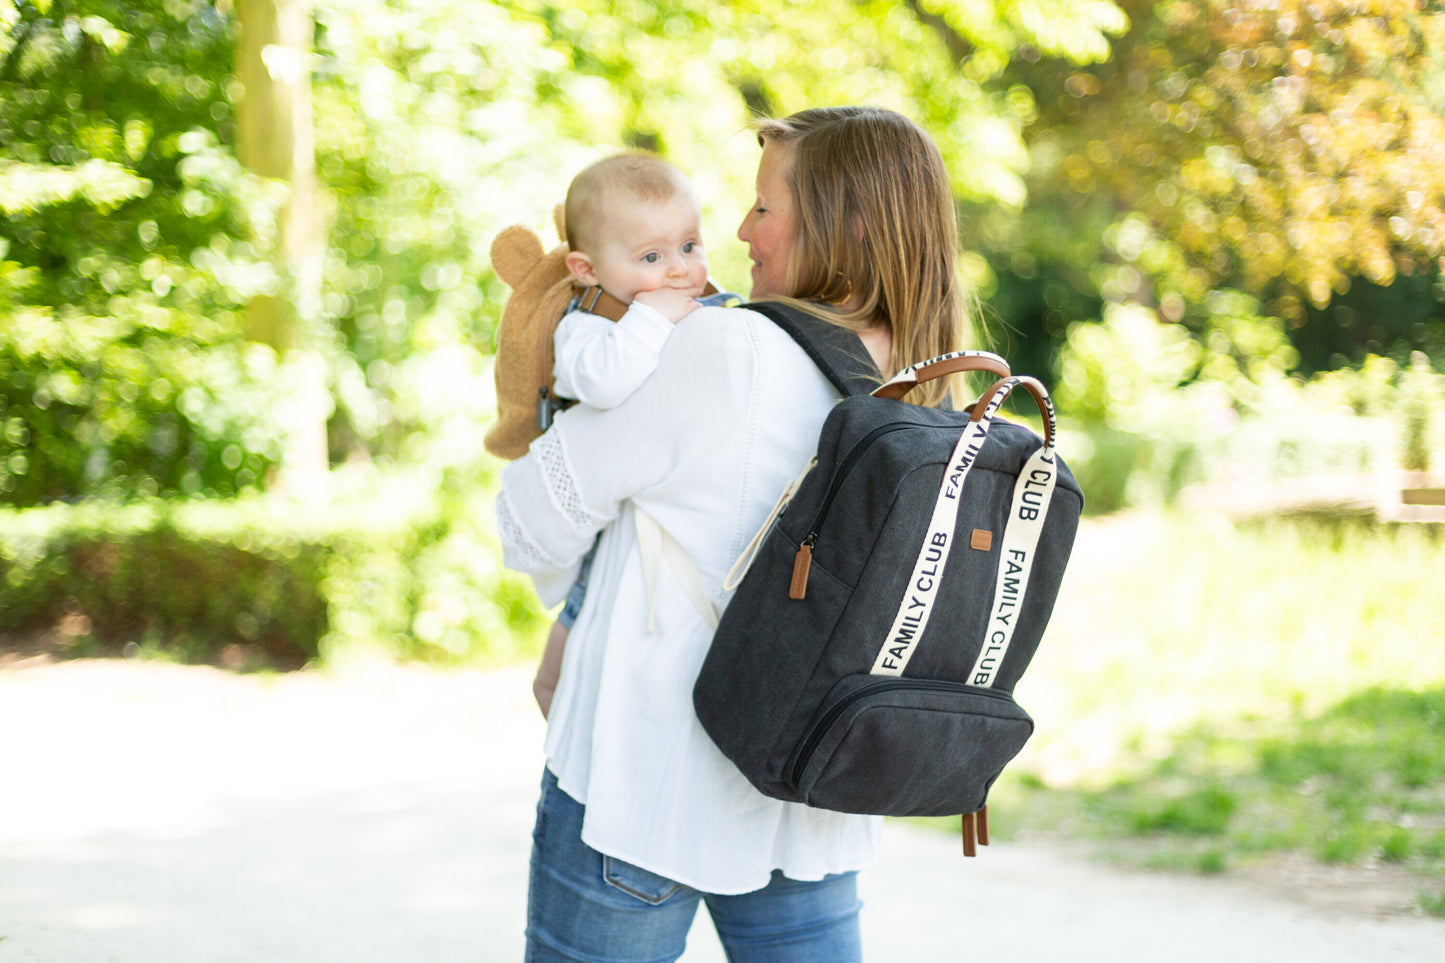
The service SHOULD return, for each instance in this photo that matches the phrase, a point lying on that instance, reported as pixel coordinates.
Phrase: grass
(1362, 781)
(1222, 692)
(1433, 903)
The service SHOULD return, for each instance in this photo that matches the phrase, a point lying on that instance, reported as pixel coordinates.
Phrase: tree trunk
(275, 140)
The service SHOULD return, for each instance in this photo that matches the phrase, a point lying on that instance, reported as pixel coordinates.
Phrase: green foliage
(1152, 408)
(1348, 785)
(1222, 692)
(1285, 148)
(1423, 399)
(1376, 733)
(126, 253)
(1281, 152)
(1143, 415)
(103, 575)
(1210, 694)
(1166, 623)
(391, 570)
(130, 239)
(439, 123)
(1204, 811)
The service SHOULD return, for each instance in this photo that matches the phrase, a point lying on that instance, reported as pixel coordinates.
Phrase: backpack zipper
(819, 729)
(803, 561)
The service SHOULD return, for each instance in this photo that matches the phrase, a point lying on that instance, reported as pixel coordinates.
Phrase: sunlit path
(153, 813)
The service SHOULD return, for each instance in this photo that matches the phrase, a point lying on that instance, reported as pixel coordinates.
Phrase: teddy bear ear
(559, 218)
(515, 252)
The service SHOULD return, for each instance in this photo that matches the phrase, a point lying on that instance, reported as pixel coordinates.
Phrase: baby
(634, 231)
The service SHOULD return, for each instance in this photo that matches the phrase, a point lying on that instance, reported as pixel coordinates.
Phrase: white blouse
(704, 446)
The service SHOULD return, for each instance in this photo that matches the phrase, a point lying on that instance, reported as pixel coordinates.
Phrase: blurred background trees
(130, 241)
(1214, 226)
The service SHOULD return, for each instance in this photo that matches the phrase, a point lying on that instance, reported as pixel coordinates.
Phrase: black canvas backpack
(866, 662)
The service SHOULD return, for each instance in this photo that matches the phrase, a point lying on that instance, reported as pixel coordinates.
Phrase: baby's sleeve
(601, 363)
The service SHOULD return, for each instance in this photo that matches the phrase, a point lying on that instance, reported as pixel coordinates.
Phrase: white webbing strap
(655, 545)
(1032, 494)
(744, 561)
(922, 590)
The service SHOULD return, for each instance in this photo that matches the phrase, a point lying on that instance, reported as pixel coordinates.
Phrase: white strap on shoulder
(655, 546)
(750, 551)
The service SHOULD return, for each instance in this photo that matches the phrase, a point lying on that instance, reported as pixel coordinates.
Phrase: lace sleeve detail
(527, 557)
(562, 486)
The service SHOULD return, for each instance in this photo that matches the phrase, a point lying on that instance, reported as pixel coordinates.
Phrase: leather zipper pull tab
(802, 562)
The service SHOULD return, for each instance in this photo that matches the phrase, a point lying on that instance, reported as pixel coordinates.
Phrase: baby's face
(648, 245)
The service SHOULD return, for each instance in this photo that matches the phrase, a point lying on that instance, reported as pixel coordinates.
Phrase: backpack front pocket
(898, 746)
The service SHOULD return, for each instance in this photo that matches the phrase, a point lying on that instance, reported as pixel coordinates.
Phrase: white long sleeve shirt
(601, 362)
(704, 446)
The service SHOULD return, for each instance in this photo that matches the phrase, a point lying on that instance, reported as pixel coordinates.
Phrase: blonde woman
(641, 818)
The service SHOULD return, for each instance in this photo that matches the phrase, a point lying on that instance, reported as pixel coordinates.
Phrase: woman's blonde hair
(874, 217)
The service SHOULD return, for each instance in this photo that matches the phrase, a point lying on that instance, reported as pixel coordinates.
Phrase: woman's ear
(581, 267)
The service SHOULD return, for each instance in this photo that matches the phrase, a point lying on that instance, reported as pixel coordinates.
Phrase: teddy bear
(541, 291)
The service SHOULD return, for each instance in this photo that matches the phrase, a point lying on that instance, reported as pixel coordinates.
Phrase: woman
(641, 818)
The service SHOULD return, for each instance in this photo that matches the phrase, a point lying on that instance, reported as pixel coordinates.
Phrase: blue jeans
(584, 906)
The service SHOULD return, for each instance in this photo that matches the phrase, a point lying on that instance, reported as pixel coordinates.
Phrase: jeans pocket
(638, 883)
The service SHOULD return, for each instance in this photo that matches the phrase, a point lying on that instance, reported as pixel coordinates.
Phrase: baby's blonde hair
(643, 177)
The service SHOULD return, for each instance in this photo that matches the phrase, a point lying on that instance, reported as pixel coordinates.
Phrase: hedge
(408, 569)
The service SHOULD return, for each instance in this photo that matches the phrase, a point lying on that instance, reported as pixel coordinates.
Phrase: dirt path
(160, 814)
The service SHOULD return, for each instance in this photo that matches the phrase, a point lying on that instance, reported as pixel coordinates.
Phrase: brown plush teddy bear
(541, 290)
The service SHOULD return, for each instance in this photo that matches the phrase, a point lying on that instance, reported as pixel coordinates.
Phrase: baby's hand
(669, 302)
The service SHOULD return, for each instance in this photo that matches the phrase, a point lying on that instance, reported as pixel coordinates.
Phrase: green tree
(276, 140)
(123, 255)
(1292, 150)
(440, 122)
(436, 123)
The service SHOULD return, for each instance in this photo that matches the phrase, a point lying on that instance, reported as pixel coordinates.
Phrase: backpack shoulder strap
(839, 353)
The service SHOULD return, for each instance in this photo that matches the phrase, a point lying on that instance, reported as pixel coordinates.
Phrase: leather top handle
(1034, 387)
(945, 364)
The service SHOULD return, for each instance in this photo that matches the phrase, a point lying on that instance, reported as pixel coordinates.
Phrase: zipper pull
(802, 562)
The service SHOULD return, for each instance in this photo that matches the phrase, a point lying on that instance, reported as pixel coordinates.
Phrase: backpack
(867, 660)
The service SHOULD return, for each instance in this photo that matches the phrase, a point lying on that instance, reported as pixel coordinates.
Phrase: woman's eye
(651, 258)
